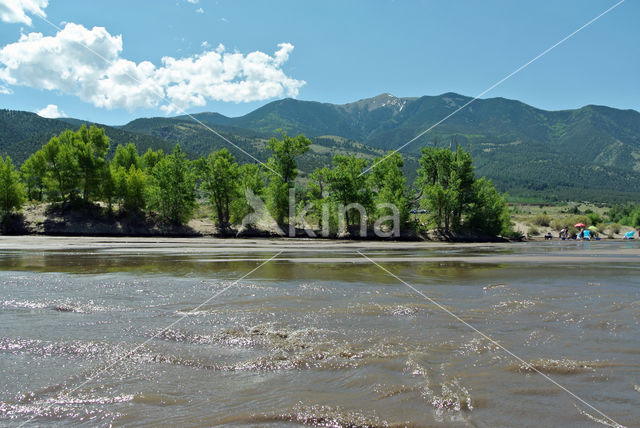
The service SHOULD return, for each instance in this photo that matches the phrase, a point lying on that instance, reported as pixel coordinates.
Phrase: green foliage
(172, 188)
(150, 159)
(542, 220)
(127, 156)
(446, 179)
(33, 172)
(220, 173)
(63, 172)
(388, 182)
(134, 197)
(251, 179)
(70, 162)
(489, 213)
(593, 218)
(455, 199)
(347, 185)
(628, 214)
(317, 195)
(283, 171)
(90, 148)
(12, 193)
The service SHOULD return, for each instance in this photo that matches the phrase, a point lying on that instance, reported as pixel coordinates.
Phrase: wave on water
(444, 392)
(563, 366)
(80, 408)
(60, 306)
(325, 416)
(43, 348)
(23, 304)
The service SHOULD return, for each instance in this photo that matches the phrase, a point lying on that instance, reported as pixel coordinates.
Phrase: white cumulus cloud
(51, 112)
(17, 11)
(199, 10)
(88, 64)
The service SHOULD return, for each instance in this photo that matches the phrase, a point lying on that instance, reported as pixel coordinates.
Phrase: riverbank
(53, 220)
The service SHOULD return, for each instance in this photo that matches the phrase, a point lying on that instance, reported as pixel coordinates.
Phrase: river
(193, 332)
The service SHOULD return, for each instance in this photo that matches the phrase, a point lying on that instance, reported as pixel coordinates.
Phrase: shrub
(558, 225)
(615, 228)
(533, 231)
(594, 218)
(542, 220)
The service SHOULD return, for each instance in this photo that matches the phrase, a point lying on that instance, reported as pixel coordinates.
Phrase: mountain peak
(384, 100)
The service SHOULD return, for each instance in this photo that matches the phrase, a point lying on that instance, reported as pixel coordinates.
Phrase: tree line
(72, 168)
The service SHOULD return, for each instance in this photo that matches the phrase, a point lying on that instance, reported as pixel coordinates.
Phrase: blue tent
(628, 235)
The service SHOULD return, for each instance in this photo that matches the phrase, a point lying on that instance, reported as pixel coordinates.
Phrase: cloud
(51, 112)
(15, 11)
(199, 10)
(88, 64)
(5, 91)
(193, 1)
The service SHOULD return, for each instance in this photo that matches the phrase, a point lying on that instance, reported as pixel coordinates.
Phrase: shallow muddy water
(161, 332)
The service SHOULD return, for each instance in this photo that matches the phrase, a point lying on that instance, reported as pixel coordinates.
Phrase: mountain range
(590, 153)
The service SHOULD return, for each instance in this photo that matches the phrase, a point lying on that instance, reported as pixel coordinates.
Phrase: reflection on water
(318, 336)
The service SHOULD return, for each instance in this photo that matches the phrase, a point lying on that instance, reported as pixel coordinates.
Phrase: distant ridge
(588, 153)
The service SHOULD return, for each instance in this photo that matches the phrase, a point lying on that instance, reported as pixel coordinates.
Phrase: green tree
(489, 213)
(150, 159)
(34, 171)
(172, 191)
(135, 189)
(126, 156)
(12, 193)
(63, 171)
(347, 185)
(108, 190)
(389, 183)
(91, 146)
(317, 195)
(220, 173)
(446, 180)
(251, 179)
(283, 169)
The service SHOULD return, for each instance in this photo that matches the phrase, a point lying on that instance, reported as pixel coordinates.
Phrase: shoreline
(43, 220)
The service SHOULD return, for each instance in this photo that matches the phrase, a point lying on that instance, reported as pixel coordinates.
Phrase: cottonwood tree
(349, 187)
(172, 188)
(251, 180)
(283, 172)
(446, 179)
(12, 193)
(219, 174)
(455, 199)
(33, 172)
(90, 147)
(388, 182)
(63, 172)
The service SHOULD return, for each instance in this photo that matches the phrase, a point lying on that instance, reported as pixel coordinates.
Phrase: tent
(628, 235)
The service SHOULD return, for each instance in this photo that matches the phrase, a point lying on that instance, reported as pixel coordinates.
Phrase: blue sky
(329, 51)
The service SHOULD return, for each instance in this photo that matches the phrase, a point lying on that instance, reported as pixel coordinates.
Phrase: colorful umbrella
(592, 228)
(579, 225)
